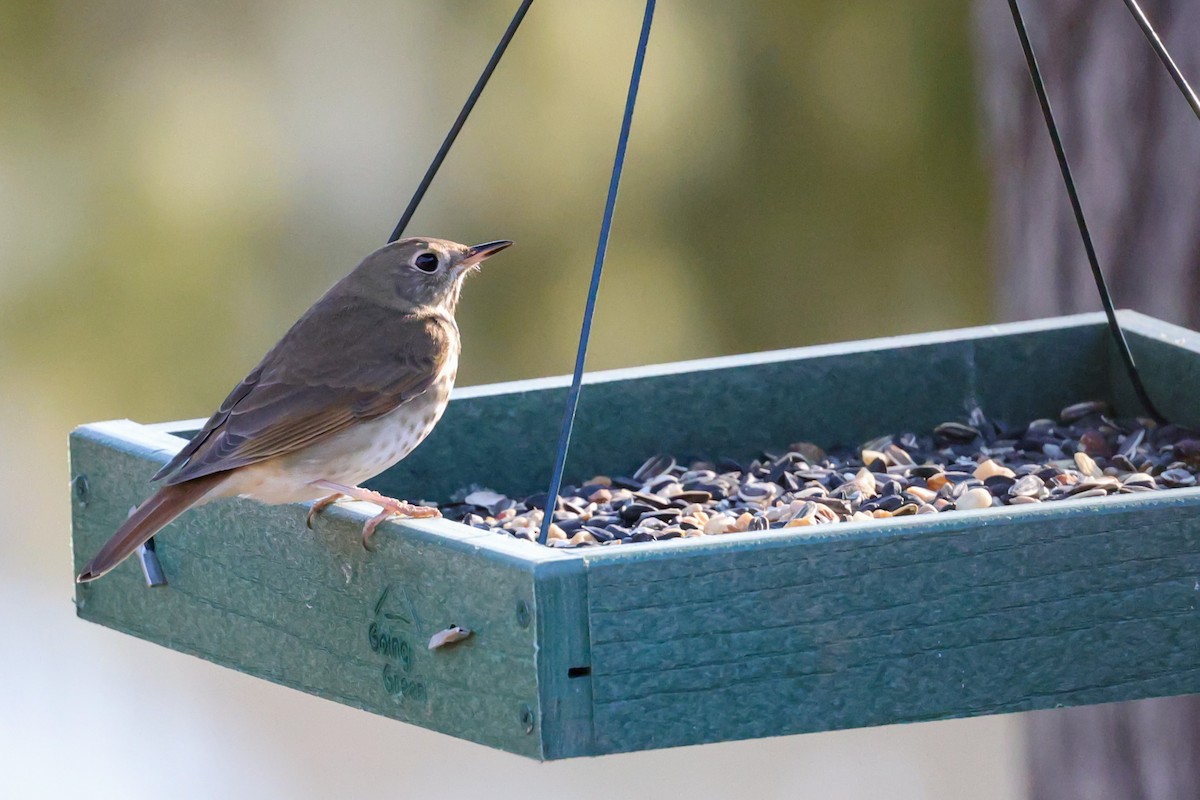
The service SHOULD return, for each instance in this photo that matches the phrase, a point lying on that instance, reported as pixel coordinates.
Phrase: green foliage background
(188, 179)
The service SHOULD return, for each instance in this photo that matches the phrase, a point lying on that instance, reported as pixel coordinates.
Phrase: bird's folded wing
(305, 390)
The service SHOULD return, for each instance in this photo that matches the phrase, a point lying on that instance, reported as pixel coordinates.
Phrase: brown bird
(350, 389)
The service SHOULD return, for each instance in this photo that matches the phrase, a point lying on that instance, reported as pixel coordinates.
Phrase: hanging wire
(1101, 286)
(448, 142)
(564, 439)
(1164, 56)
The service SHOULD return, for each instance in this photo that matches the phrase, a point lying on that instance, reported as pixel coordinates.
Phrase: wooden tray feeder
(609, 649)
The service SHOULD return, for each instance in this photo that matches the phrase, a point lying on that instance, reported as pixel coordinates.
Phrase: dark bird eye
(427, 262)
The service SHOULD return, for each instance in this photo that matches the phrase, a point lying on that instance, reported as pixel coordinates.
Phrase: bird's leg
(320, 505)
(391, 506)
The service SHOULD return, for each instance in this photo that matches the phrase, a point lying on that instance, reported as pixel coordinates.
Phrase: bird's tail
(163, 506)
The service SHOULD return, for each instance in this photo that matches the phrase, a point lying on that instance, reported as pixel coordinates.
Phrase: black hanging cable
(1163, 55)
(1101, 286)
(585, 331)
(448, 142)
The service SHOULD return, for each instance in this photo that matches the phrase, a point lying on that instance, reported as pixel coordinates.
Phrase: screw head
(527, 719)
(523, 615)
(82, 488)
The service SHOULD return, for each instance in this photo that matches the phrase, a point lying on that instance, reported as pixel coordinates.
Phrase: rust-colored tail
(163, 506)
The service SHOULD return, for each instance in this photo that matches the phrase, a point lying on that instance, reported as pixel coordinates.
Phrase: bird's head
(422, 273)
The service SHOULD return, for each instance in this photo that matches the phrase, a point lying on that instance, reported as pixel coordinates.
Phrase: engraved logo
(390, 634)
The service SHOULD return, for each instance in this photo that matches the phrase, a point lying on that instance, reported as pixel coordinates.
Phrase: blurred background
(179, 181)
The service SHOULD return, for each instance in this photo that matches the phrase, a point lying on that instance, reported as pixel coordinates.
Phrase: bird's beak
(481, 252)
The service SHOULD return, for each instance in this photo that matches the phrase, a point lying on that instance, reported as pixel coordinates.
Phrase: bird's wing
(308, 388)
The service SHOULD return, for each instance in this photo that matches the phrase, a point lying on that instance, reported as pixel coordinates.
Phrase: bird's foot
(394, 508)
(319, 506)
(391, 507)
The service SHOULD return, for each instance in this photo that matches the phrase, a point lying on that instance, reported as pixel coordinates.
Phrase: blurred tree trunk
(1134, 147)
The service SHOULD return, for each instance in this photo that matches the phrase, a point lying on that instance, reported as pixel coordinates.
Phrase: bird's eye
(427, 262)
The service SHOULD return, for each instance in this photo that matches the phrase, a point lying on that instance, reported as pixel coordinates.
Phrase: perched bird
(350, 389)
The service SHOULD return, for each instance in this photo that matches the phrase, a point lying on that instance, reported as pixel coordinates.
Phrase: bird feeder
(553, 652)
(609, 649)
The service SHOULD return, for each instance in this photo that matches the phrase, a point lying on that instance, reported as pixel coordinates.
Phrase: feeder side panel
(1022, 376)
(979, 614)
(251, 588)
(1168, 358)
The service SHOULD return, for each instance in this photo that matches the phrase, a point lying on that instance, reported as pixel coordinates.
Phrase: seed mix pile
(977, 464)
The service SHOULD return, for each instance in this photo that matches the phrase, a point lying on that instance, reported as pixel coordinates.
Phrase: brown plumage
(355, 384)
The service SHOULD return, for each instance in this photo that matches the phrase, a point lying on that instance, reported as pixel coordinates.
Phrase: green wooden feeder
(613, 649)
(603, 650)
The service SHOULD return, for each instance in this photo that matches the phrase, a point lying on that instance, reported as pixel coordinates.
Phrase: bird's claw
(395, 508)
(320, 505)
